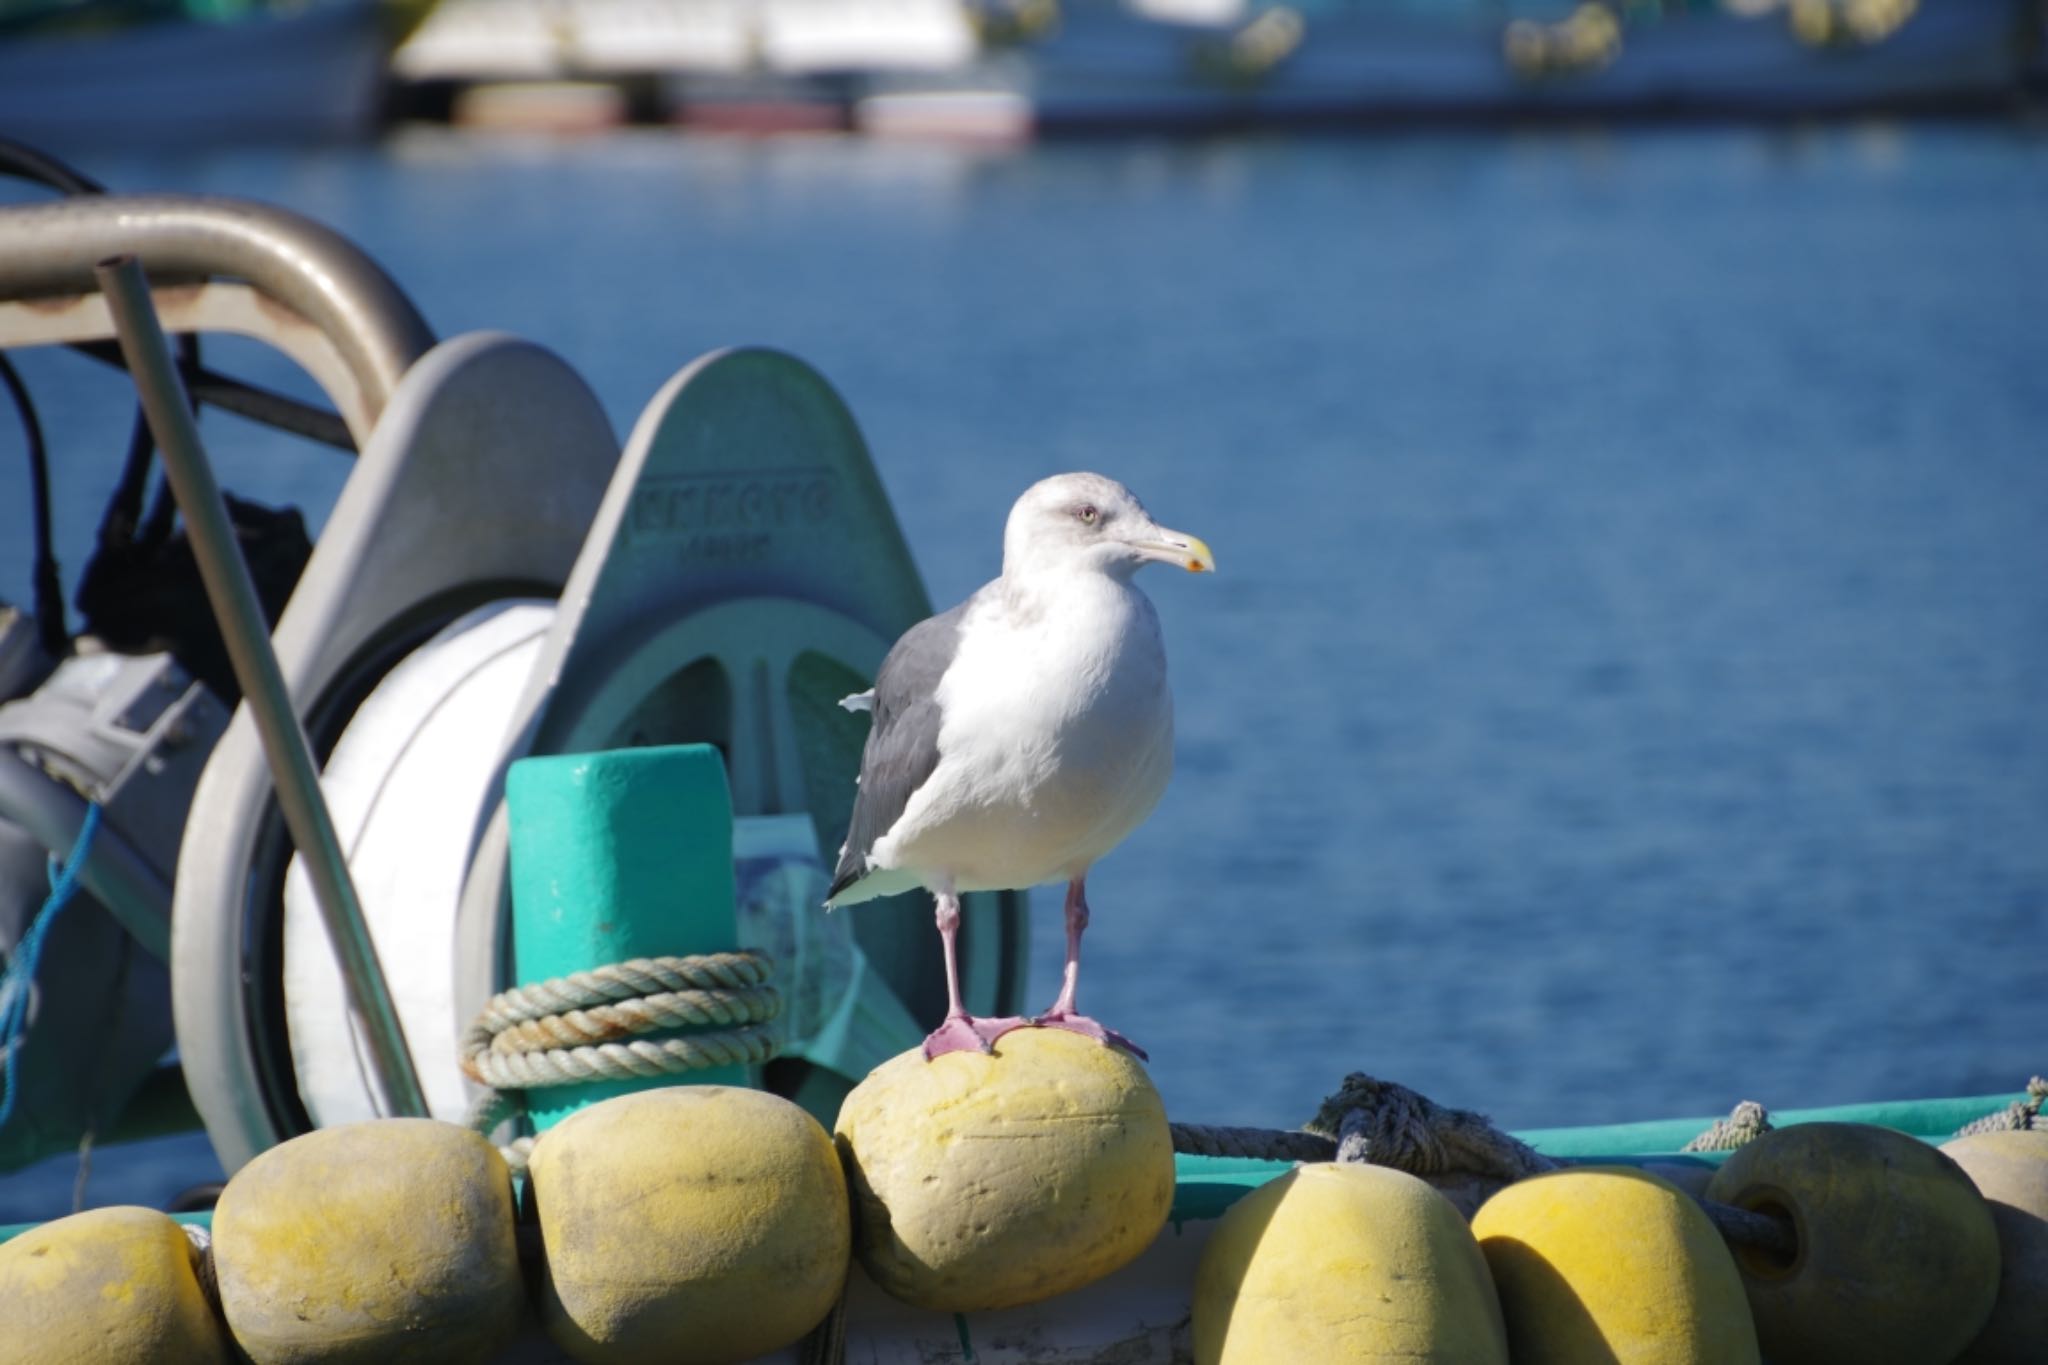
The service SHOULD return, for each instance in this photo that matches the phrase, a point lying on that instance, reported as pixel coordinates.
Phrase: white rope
(2020, 1114)
(587, 1026)
(1745, 1123)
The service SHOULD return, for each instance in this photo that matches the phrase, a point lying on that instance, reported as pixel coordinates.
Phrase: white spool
(406, 785)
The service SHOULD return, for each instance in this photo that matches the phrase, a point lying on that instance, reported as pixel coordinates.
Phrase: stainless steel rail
(49, 251)
(150, 363)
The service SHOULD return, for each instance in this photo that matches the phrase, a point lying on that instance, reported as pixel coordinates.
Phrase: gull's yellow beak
(1177, 548)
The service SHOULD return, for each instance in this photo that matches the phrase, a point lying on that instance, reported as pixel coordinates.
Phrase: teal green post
(618, 855)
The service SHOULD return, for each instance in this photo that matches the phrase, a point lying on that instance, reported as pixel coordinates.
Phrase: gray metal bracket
(131, 732)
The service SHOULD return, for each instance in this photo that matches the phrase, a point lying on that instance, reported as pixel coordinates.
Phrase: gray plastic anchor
(476, 484)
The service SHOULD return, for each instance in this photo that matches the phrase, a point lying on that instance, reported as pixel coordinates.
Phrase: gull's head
(1086, 521)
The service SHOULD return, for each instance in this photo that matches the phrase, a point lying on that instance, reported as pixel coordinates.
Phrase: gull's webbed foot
(965, 1033)
(1088, 1028)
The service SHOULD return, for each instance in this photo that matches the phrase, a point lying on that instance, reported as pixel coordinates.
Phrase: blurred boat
(1179, 64)
(1019, 67)
(116, 74)
(766, 65)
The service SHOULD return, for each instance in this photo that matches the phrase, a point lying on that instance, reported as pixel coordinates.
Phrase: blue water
(1624, 689)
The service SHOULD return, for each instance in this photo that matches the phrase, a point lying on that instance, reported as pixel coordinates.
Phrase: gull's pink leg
(1062, 1014)
(961, 1032)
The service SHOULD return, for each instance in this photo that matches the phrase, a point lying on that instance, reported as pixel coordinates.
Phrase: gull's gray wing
(903, 747)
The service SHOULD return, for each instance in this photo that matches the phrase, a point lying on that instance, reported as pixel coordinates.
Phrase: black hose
(23, 162)
(124, 508)
(258, 404)
(49, 584)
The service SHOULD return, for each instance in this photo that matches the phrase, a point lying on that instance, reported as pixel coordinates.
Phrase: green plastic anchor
(619, 855)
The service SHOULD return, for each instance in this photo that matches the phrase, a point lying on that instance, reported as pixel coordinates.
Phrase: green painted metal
(1204, 1186)
(618, 855)
(1931, 1119)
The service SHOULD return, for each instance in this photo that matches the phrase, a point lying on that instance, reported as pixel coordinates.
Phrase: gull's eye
(1088, 514)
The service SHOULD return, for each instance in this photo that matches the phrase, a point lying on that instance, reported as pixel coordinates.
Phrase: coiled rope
(592, 1026)
(1745, 1123)
(1385, 1124)
(2020, 1114)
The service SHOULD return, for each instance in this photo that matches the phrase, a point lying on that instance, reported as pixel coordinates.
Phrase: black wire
(124, 523)
(124, 505)
(23, 162)
(124, 509)
(258, 404)
(49, 585)
(163, 514)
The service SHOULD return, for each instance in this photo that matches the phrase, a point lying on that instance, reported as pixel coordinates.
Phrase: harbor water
(1623, 692)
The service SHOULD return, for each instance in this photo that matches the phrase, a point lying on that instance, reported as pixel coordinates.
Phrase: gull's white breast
(1056, 740)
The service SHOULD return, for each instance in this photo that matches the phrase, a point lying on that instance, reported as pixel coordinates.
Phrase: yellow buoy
(2010, 1169)
(1896, 1261)
(383, 1242)
(693, 1224)
(1610, 1263)
(986, 1181)
(1345, 1265)
(114, 1284)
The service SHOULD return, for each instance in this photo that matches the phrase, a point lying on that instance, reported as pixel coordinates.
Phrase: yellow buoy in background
(1610, 1263)
(383, 1242)
(691, 1225)
(986, 1181)
(113, 1284)
(1897, 1257)
(2010, 1169)
(1345, 1265)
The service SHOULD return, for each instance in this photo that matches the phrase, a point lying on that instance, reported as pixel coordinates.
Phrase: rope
(1763, 1232)
(570, 1029)
(620, 1061)
(1745, 1123)
(17, 983)
(2020, 1114)
(1370, 1120)
(1391, 1125)
(1457, 1151)
(1260, 1144)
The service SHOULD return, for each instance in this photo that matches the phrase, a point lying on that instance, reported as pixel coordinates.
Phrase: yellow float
(1345, 1265)
(2010, 1169)
(1611, 1263)
(383, 1242)
(987, 1181)
(692, 1225)
(1897, 1257)
(114, 1284)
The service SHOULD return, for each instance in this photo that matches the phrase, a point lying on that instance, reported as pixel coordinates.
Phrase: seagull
(1022, 735)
